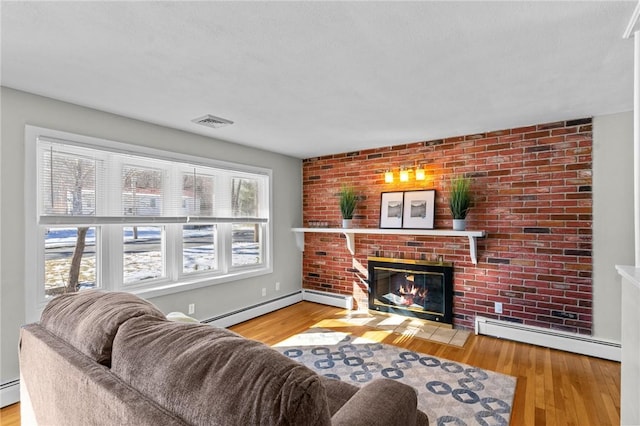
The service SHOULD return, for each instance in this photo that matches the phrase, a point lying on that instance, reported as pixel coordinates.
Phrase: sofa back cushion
(61, 386)
(89, 320)
(209, 375)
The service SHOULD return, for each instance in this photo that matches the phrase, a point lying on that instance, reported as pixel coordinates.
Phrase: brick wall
(532, 194)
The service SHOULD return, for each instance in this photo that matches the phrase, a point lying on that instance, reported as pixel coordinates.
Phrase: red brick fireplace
(532, 194)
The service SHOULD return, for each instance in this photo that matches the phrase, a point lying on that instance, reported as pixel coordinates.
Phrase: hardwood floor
(10, 416)
(554, 387)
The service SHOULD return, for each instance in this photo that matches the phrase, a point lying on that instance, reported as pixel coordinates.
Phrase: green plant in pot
(460, 201)
(348, 203)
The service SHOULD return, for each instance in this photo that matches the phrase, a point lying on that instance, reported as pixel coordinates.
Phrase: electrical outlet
(278, 286)
(498, 307)
(264, 291)
(192, 308)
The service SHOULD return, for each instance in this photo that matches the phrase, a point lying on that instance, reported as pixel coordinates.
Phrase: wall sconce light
(388, 176)
(404, 175)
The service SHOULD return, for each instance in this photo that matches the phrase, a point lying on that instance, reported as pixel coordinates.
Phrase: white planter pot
(346, 223)
(459, 224)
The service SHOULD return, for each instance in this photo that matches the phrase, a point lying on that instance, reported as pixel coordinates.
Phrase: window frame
(175, 279)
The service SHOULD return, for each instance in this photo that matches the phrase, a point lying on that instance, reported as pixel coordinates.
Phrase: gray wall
(612, 217)
(19, 109)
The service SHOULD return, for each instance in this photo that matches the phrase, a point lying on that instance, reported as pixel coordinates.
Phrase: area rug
(450, 393)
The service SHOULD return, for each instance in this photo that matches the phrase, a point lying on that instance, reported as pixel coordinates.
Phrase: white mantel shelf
(350, 234)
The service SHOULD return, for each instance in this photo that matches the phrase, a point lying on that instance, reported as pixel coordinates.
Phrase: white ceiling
(315, 78)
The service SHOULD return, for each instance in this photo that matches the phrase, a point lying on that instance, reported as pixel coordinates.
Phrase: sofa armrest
(381, 402)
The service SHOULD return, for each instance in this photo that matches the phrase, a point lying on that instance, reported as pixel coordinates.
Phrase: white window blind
(89, 186)
(67, 181)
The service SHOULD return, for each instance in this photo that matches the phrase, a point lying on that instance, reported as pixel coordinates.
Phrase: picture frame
(419, 209)
(391, 209)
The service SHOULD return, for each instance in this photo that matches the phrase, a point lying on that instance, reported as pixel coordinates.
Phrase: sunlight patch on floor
(313, 338)
(406, 327)
(376, 336)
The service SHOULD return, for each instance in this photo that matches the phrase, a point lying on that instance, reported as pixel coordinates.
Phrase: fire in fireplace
(413, 288)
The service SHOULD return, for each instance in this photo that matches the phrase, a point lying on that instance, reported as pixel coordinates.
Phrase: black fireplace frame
(444, 268)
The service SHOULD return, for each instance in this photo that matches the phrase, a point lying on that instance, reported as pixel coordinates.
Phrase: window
(142, 256)
(121, 217)
(60, 247)
(198, 248)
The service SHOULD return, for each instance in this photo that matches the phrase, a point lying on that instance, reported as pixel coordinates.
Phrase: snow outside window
(122, 217)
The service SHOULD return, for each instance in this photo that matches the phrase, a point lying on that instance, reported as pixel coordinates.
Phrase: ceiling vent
(212, 121)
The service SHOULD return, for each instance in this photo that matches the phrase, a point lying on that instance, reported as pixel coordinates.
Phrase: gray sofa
(99, 358)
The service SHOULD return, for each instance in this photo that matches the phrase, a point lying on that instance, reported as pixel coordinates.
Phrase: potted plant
(348, 202)
(460, 201)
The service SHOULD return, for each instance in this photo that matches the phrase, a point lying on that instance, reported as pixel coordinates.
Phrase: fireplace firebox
(413, 288)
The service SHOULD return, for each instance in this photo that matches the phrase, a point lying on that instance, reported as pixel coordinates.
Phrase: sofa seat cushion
(209, 375)
(89, 320)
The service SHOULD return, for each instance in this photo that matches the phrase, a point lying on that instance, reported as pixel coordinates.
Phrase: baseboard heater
(331, 299)
(565, 341)
(245, 314)
(9, 393)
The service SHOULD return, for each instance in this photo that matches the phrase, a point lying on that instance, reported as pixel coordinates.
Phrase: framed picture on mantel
(391, 204)
(419, 209)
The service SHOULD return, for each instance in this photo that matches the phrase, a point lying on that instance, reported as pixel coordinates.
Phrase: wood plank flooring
(10, 416)
(554, 387)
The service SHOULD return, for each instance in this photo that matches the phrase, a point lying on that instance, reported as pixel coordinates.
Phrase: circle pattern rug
(450, 393)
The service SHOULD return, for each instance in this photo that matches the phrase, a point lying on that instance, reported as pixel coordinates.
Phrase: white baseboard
(236, 317)
(331, 299)
(9, 393)
(564, 341)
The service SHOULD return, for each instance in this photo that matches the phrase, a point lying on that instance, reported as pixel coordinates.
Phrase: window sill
(167, 288)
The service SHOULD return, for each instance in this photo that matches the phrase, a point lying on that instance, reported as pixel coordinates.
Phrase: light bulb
(404, 175)
(420, 173)
(388, 176)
